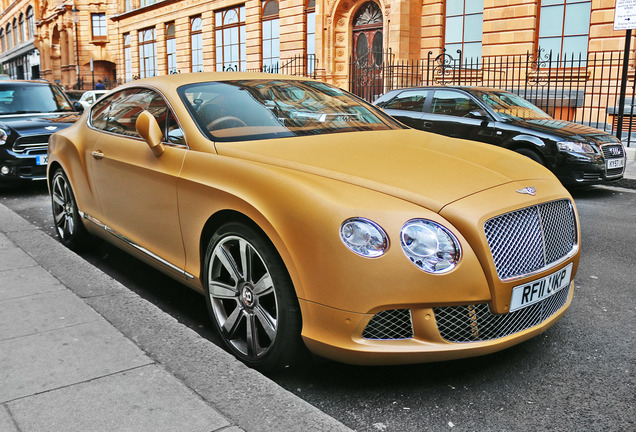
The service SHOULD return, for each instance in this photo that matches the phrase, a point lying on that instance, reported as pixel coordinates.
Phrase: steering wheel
(226, 123)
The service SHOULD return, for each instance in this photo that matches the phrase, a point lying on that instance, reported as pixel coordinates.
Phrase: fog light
(5, 170)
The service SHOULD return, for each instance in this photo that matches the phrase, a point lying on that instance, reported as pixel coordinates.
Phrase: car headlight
(3, 136)
(430, 246)
(364, 237)
(575, 147)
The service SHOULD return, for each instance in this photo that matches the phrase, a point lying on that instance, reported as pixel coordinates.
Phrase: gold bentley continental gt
(310, 219)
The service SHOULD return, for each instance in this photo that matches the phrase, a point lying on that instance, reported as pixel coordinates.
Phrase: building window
(2, 41)
(23, 34)
(9, 37)
(271, 36)
(99, 25)
(464, 28)
(146, 2)
(564, 28)
(171, 49)
(16, 35)
(30, 23)
(128, 6)
(196, 40)
(230, 39)
(147, 53)
(310, 36)
(127, 58)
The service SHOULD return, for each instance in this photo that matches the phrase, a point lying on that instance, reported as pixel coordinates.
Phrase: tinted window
(257, 109)
(412, 100)
(452, 103)
(27, 98)
(118, 113)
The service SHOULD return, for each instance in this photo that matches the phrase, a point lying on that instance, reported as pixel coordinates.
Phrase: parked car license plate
(42, 160)
(537, 290)
(615, 163)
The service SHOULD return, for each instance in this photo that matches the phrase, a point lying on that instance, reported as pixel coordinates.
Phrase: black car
(576, 154)
(30, 111)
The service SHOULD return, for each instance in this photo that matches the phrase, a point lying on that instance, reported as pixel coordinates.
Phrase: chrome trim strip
(541, 270)
(134, 245)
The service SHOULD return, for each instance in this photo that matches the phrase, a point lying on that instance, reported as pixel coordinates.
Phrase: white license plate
(42, 160)
(537, 290)
(615, 163)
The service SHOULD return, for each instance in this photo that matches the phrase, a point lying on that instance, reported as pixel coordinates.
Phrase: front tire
(250, 298)
(68, 223)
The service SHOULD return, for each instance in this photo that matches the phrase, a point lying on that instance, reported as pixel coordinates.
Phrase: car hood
(36, 124)
(419, 167)
(566, 130)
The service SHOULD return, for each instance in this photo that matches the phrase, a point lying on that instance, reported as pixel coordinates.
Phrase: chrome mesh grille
(612, 151)
(530, 239)
(475, 323)
(390, 324)
(33, 142)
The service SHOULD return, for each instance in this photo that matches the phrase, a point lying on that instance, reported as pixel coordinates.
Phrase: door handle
(427, 124)
(98, 154)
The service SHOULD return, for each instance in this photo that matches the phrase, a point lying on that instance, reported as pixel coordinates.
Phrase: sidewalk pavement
(80, 352)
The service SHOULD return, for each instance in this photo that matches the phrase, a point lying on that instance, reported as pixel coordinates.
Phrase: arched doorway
(368, 53)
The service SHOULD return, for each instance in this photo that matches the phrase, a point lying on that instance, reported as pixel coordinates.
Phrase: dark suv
(30, 111)
(576, 154)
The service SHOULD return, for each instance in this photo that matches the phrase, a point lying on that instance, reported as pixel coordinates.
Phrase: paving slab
(143, 399)
(38, 313)
(53, 359)
(6, 423)
(27, 281)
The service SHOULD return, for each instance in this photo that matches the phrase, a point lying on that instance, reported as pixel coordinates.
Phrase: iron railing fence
(581, 89)
(305, 66)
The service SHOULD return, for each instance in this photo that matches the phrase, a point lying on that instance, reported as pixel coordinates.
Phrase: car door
(408, 107)
(456, 114)
(136, 189)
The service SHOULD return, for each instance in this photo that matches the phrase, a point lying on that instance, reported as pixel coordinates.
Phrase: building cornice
(141, 10)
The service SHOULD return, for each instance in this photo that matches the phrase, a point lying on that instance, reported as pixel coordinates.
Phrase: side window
(412, 100)
(452, 103)
(118, 114)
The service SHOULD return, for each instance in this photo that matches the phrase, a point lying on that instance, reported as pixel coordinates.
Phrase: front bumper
(17, 167)
(587, 170)
(344, 336)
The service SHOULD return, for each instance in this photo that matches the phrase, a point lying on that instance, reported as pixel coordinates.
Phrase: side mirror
(478, 114)
(78, 107)
(148, 128)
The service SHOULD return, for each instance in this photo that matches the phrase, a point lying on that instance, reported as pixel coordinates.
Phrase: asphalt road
(579, 375)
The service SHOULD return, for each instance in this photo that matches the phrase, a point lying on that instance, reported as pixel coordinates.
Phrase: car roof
(33, 82)
(465, 88)
(176, 80)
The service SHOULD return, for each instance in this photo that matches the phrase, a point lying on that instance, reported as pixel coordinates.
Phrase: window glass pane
(472, 51)
(453, 103)
(575, 45)
(408, 101)
(474, 6)
(473, 28)
(551, 44)
(577, 19)
(454, 27)
(551, 21)
(230, 17)
(454, 7)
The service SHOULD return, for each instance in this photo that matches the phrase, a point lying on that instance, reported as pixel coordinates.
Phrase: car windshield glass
(29, 98)
(258, 109)
(511, 106)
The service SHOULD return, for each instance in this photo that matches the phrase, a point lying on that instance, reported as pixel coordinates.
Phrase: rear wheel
(66, 216)
(251, 299)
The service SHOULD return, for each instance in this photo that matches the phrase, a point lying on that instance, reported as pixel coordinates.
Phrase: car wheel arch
(222, 217)
(528, 146)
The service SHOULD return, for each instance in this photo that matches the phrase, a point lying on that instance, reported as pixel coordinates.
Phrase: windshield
(512, 107)
(28, 98)
(258, 109)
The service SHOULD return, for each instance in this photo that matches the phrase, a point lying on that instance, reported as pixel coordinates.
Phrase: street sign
(625, 15)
